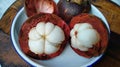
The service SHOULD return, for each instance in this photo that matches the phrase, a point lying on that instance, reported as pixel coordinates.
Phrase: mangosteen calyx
(79, 2)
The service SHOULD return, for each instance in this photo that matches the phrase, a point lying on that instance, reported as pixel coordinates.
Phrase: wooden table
(8, 56)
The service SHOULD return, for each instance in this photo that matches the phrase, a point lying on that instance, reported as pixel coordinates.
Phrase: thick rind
(32, 22)
(101, 29)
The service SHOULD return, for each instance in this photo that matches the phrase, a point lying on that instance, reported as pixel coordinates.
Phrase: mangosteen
(88, 35)
(33, 7)
(70, 8)
(43, 36)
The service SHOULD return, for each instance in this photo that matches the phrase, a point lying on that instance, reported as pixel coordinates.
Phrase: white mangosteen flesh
(84, 36)
(45, 7)
(45, 38)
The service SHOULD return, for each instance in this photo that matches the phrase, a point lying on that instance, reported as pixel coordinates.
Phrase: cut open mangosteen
(43, 36)
(33, 7)
(89, 35)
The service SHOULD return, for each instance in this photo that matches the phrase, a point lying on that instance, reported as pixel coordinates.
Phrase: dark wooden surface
(9, 58)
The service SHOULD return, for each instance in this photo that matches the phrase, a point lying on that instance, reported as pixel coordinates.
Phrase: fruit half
(43, 36)
(89, 35)
(33, 7)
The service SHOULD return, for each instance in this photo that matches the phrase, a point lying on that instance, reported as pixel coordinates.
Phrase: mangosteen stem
(68, 0)
(77, 1)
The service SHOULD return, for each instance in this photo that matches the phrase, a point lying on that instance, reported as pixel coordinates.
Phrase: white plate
(67, 59)
(116, 1)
